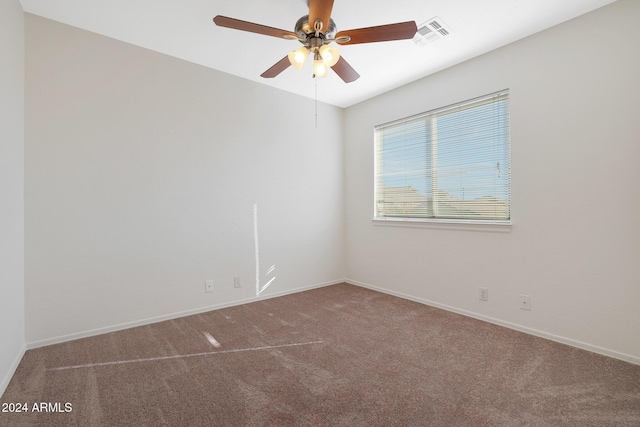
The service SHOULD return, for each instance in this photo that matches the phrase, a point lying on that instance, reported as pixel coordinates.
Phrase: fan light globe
(298, 56)
(319, 69)
(330, 55)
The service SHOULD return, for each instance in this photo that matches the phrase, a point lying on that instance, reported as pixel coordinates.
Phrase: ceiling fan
(316, 31)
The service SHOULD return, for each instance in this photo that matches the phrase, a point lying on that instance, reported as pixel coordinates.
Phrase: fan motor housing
(304, 29)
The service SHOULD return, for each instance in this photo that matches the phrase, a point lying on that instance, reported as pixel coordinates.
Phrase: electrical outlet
(236, 282)
(525, 302)
(484, 294)
(208, 286)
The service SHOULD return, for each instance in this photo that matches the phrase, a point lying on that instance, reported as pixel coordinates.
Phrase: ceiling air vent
(431, 31)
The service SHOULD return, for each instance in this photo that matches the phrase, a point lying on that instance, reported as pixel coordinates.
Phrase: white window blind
(451, 163)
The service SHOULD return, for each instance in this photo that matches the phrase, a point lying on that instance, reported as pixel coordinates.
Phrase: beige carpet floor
(335, 356)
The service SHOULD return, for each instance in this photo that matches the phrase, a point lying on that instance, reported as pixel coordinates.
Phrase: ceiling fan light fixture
(330, 55)
(298, 57)
(315, 31)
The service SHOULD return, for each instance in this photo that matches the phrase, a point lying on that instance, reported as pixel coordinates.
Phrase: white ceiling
(184, 29)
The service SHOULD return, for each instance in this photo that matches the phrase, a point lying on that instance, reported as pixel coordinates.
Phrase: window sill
(451, 224)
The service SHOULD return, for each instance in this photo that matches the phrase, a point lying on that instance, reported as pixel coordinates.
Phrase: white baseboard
(563, 340)
(148, 321)
(12, 370)
(84, 334)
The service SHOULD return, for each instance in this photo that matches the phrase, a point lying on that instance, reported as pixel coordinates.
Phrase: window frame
(456, 223)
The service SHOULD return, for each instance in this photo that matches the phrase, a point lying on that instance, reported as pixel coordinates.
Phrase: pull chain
(316, 103)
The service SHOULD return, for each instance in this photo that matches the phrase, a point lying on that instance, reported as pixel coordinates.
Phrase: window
(452, 163)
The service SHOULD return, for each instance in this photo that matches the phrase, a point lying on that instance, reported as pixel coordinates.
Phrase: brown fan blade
(320, 10)
(237, 24)
(277, 68)
(382, 33)
(345, 71)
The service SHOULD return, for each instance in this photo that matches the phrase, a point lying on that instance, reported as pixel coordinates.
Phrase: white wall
(142, 173)
(574, 246)
(12, 342)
